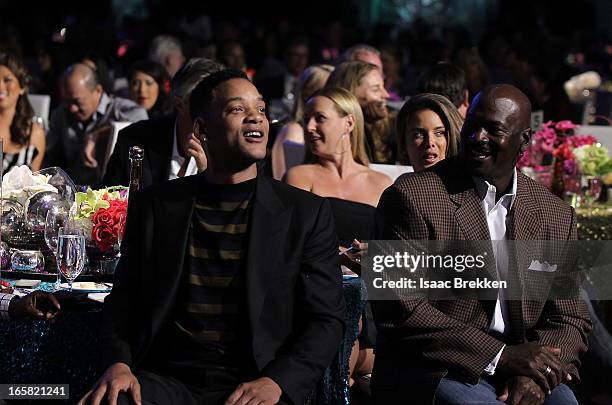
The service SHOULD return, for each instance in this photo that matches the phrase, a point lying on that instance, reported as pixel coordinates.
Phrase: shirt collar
(103, 104)
(487, 192)
(175, 154)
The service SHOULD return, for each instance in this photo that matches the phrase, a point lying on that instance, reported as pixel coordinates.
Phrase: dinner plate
(87, 286)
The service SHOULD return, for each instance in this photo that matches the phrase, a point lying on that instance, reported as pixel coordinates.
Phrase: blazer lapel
(267, 234)
(469, 212)
(523, 224)
(172, 224)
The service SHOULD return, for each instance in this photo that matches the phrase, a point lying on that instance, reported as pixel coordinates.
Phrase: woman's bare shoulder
(378, 178)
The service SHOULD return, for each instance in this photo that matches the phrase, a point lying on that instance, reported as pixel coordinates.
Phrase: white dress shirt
(177, 161)
(496, 213)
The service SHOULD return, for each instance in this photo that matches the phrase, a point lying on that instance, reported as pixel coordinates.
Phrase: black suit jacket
(294, 285)
(155, 136)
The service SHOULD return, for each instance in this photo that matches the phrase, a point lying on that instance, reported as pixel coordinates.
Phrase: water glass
(71, 255)
(56, 219)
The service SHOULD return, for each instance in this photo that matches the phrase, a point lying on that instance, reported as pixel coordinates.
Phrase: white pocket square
(544, 266)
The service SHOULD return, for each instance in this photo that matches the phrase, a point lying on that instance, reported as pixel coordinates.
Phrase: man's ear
(199, 129)
(525, 138)
(466, 99)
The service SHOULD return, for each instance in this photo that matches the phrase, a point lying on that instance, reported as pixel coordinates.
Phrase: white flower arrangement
(20, 184)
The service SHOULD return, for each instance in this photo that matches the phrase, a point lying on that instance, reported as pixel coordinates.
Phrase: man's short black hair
(446, 80)
(202, 95)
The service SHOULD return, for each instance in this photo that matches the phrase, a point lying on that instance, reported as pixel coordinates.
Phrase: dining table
(67, 349)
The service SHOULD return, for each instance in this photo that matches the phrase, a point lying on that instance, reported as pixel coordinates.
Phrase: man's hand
(522, 390)
(263, 391)
(540, 363)
(89, 154)
(89, 149)
(37, 304)
(194, 149)
(117, 378)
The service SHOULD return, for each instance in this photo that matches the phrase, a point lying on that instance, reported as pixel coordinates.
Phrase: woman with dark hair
(150, 86)
(428, 127)
(23, 139)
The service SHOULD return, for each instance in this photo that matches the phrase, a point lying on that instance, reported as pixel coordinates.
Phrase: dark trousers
(214, 387)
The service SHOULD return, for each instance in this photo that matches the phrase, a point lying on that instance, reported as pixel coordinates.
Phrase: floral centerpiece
(560, 160)
(20, 184)
(101, 214)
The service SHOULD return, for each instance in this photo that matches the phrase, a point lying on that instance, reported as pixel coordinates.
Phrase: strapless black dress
(356, 221)
(353, 220)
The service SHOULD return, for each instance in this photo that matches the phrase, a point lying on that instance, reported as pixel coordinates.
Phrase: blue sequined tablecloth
(66, 351)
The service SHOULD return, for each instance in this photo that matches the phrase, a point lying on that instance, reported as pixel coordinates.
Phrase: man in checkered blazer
(466, 351)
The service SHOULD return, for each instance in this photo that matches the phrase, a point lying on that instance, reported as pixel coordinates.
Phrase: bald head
(505, 97)
(83, 73)
(82, 91)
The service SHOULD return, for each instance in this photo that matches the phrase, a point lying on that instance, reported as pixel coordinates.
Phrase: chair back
(112, 141)
(40, 104)
(393, 171)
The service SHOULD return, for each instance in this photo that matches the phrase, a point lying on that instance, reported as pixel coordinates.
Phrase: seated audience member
(170, 148)
(149, 87)
(168, 52)
(395, 85)
(248, 305)
(476, 72)
(231, 54)
(37, 305)
(428, 128)
(449, 81)
(363, 53)
(23, 139)
(280, 88)
(366, 82)
(471, 350)
(76, 124)
(311, 80)
(337, 169)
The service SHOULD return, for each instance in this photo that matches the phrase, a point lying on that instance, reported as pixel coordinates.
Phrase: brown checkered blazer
(421, 341)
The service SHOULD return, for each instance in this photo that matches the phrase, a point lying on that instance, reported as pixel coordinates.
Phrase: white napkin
(98, 297)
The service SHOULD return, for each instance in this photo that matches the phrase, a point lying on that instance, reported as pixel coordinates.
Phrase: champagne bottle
(136, 155)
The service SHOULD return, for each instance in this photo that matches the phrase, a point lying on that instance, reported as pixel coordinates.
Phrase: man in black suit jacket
(171, 150)
(291, 320)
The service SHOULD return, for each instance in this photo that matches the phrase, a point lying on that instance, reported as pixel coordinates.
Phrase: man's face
(82, 101)
(491, 137)
(297, 59)
(369, 57)
(372, 96)
(236, 126)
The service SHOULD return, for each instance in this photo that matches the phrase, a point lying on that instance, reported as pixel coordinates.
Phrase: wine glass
(592, 189)
(71, 254)
(57, 218)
